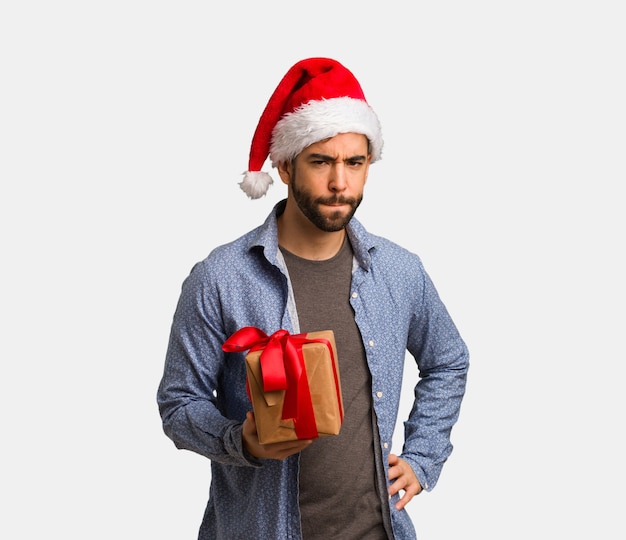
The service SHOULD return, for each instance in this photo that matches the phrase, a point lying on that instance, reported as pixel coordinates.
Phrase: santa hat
(317, 99)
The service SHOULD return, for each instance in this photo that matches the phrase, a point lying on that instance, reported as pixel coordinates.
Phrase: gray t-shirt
(339, 488)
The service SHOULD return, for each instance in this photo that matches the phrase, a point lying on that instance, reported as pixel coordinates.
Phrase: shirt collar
(266, 238)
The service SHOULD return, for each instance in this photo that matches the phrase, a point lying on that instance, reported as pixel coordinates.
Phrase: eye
(355, 163)
(319, 162)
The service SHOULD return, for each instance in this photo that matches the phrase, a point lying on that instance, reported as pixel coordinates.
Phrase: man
(312, 266)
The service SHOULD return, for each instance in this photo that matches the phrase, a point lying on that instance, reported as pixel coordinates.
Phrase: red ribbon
(283, 368)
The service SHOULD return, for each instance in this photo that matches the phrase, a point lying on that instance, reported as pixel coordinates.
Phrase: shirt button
(354, 295)
(371, 342)
(386, 445)
(379, 394)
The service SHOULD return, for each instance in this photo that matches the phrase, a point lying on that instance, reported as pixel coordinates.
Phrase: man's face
(327, 179)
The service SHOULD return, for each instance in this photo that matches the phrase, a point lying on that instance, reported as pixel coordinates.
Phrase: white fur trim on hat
(323, 119)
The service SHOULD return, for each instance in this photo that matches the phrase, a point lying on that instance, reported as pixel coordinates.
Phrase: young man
(312, 266)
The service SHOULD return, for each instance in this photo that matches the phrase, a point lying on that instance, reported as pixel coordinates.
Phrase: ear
(284, 171)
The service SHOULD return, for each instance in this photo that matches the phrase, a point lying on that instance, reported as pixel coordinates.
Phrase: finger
(411, 489)
(403, 501)
(292, 446)
(282, 450)
(399, 484)
(409, 492)
(395, 472)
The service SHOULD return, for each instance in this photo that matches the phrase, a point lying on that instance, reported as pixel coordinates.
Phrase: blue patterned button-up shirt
(202, 396)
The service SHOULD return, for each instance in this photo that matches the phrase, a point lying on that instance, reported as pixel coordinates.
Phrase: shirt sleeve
(443, 360)
(193, 416)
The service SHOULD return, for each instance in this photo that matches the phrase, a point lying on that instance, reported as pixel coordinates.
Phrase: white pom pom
(255, 184)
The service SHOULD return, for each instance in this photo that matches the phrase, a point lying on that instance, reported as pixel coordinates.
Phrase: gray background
(124, 129)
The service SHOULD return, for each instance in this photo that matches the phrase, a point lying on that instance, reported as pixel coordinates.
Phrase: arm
(443, 361)
(202, 396)
(197, 413)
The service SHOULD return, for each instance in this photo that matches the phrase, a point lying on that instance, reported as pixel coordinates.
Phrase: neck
(299, 236)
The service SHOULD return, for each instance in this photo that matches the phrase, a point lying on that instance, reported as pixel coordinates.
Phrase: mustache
(336, 200)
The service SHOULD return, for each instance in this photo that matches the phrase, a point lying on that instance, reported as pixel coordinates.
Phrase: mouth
(335, 202)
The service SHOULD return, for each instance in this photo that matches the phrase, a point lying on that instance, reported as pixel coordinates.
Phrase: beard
(310, 207)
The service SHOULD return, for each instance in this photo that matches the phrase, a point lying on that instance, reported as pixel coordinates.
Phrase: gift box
(292, 381)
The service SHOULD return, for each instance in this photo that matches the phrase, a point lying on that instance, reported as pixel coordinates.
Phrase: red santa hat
(317, 99)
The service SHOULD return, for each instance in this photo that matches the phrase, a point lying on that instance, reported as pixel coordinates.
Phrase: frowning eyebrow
(326, 157)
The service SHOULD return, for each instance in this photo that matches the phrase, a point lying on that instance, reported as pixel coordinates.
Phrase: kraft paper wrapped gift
(293, 383)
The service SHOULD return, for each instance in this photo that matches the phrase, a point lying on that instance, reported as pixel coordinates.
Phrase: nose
(338, 178)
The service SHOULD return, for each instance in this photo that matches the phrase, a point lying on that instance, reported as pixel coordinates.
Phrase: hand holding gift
(278, 450)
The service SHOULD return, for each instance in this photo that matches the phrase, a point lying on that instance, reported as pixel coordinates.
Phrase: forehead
(347, 144)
